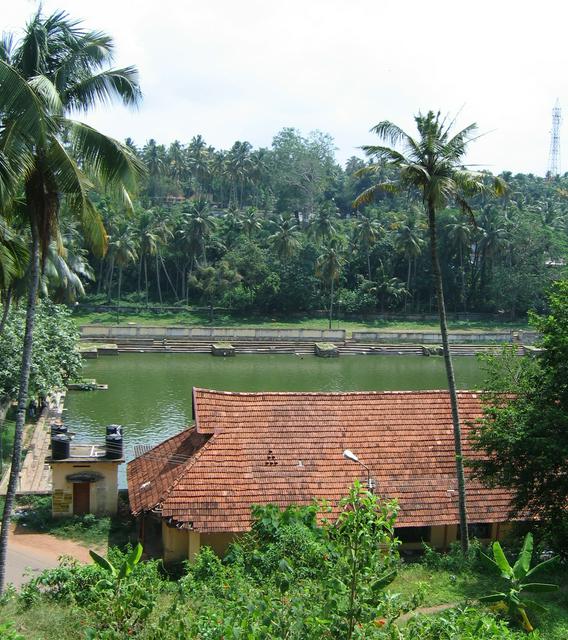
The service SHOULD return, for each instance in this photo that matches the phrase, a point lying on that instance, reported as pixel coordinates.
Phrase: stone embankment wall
(455, 337)
(124, 332)
(112, 332)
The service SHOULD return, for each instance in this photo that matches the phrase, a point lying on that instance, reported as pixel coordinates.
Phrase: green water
(150, 394)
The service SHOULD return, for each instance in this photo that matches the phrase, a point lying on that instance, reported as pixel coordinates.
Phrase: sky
(244, 69)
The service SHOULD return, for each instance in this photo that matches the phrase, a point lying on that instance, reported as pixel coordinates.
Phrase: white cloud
(243, 69)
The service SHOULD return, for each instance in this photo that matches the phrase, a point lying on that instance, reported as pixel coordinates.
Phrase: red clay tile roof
(151, 475)
(288, 448)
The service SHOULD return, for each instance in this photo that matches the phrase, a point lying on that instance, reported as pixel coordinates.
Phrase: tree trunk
(110, 279)
(369, 264)
(408, 274)
(146, 278)
(22, 401)
(119, 288)
(168, 278)
(6, 309)
(140, 274)
(437, 273)
(331, 303)
(158, 279)
(99, 283)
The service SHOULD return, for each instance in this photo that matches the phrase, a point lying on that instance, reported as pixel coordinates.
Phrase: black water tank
(113, 428)
(58, 427)
(114, 446)
(60, 446)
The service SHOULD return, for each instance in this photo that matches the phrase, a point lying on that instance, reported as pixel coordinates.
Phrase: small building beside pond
(85, 476)
(197, 487)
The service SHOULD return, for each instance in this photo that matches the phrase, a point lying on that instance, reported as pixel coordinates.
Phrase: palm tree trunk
(119, 288)
(174, 289)
(158, 279)
(6, 309)
(437, 272)
(109, 279)
(331, 303)
(146, 278)
(140, 274)
(22, 402)
(369, 264)
(100, 280)
(408, 274)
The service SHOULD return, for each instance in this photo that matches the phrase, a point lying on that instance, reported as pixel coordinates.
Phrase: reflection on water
(150, 394)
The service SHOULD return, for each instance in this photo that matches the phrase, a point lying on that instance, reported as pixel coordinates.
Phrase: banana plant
(519, 577)
(117, 574)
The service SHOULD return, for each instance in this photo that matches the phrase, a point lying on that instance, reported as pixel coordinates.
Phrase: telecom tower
(554, 156)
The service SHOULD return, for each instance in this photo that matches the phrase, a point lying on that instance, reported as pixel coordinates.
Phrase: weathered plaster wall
(103, 494)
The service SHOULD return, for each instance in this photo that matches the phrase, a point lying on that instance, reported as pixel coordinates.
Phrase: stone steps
(299, 347)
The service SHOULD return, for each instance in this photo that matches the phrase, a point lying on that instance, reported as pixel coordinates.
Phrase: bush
(454, 560)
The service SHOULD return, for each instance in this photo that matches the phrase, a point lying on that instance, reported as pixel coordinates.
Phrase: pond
(150, 394)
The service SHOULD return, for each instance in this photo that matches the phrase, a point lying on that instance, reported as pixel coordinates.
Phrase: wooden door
(81, 498)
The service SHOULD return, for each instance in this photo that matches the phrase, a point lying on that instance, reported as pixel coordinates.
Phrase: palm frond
(75, 186)
(104, 88)
(369, 194)
(22, 107)
(47, 90)
(110, 162)
(384, 154)
(390, 132)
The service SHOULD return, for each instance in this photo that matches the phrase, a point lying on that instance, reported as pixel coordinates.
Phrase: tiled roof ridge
(200, 390)
(187, 467)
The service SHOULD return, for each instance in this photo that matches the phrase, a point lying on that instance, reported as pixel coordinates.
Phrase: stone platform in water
(224, 349)
(326, 350)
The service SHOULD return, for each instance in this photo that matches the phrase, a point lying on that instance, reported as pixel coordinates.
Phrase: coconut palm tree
(367, 231)
(124, 250)
(323, 225)
(56, 68)
(409, 242)
(286, 239)
(432, 165)
(197, 225)
(459, 234)
(328, 268)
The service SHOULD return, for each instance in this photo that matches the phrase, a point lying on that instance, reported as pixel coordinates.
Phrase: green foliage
(365, 561)
(454, 561)
(464, 623)
(520, 580)
(7, 632)
(289, 577)
(525, 427)
(271, 205)
(55, 358)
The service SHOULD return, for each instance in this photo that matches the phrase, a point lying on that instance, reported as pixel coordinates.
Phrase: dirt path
(31, 553)
(426, 611)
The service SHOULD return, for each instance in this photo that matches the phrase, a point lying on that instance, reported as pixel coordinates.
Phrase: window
(413, 534)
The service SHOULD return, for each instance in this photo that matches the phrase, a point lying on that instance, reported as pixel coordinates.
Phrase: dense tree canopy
(526, 435)
(289, 201)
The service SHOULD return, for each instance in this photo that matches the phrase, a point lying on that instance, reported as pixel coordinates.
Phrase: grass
(187, 318)
(34, 513)
(442, 586)
(44, 621)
